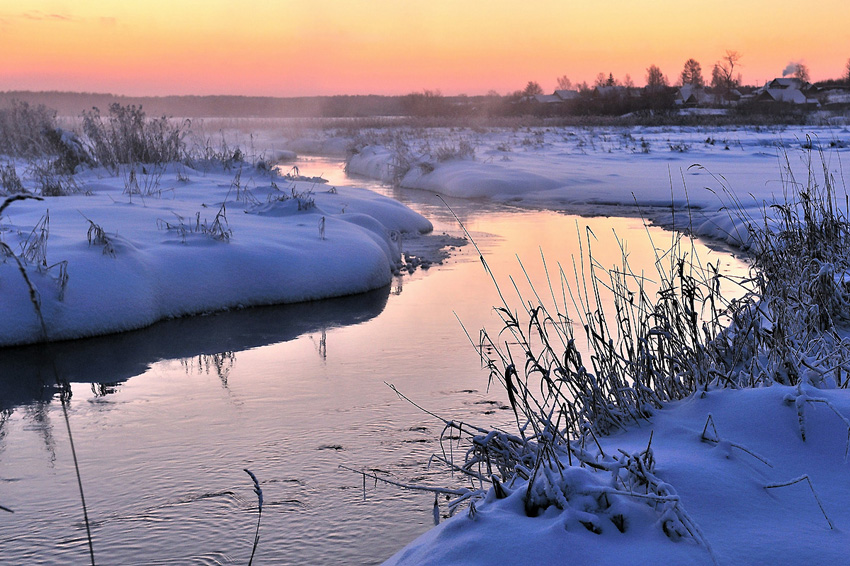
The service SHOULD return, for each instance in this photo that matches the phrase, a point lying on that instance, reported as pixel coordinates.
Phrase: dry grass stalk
(259, 492)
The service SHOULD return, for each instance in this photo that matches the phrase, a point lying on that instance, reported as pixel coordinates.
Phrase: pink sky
(315, 47)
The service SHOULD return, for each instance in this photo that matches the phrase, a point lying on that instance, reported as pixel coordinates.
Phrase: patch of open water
(165, 419)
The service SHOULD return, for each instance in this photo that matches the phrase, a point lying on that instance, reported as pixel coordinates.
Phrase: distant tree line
(606, 96)
(610, 96)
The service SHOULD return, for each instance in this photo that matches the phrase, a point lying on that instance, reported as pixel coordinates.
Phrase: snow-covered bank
(686, 437)
(692, 437)
(161, 243)
(721, 476)
(605, 170)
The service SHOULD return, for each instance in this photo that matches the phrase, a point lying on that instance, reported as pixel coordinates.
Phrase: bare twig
(806, 479)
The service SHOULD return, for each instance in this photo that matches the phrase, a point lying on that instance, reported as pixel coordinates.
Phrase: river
(165, 419)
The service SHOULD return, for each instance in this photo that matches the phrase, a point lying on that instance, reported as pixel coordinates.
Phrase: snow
(280, 243)
(637, 170)
(721, 484)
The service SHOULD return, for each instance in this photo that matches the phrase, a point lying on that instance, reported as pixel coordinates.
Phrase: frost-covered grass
(23, 129)
(653, 349)
(686, 336)
(127, 136)
(407, 149)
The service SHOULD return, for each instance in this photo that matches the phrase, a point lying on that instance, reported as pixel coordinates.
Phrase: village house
(546, 99)
(559, 97)
(567, 95)
(689, 96)
(790, 90)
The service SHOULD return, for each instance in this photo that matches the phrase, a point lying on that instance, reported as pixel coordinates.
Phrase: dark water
(165, 419)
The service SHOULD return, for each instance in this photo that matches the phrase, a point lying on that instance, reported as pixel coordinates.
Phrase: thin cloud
(108, 22)
(38, 16)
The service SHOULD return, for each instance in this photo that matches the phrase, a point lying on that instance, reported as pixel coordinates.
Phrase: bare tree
(692, 74)
(723, 73)
(628, 82)
(532, 88)
(847, 72)
(655, 79)
(564, 83)
(600, 80)
(801, 71)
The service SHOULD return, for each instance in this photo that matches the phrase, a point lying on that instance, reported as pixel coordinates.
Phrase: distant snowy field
(609, 171)
(177, 241)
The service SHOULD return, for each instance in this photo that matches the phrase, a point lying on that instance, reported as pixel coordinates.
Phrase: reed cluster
(650, 341)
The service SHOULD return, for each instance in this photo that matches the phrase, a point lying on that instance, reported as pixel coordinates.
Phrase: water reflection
(219, 363)
(28, 375)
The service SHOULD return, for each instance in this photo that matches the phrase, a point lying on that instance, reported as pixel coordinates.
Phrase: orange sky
(308, 47)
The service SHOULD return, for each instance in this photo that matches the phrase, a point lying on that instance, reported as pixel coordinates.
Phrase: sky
(326, 47)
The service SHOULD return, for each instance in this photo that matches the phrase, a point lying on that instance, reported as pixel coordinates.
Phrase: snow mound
(755, 489)
(188, 242)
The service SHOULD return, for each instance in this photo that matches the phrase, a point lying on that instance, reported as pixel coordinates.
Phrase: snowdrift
(111, 259)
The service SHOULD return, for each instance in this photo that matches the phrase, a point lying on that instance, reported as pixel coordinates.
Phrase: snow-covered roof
(790, 95)
(690, 94)
(565, 94)
(786, 82)
(685, 91)
(546, 98)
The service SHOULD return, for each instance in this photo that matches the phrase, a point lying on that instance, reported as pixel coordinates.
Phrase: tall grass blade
(258, 490)
(64, 398)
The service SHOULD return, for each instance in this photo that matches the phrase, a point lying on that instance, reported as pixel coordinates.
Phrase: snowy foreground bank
(131, 249)
(720, 453)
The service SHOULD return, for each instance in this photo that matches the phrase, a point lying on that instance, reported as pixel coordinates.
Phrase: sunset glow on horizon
(326, 47)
